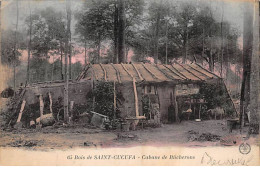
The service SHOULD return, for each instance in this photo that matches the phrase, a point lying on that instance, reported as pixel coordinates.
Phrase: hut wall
(77, 92)
(127, 106)
(164, 93)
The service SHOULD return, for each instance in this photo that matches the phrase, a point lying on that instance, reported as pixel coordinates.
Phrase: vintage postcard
(129, 83)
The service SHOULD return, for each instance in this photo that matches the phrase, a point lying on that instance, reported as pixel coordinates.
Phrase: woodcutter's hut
(173, 89)
(150, 90)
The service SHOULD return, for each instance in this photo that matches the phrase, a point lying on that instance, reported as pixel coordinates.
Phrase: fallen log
(46, 120)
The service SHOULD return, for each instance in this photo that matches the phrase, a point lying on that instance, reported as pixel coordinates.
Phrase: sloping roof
(147, 72)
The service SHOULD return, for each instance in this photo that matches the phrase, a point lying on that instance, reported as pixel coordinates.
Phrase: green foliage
(103, 94)
(104, 97)
(185, 24)
(95, 21)
(48, 31)
(213, 94)
(216, 96)
(8, 47)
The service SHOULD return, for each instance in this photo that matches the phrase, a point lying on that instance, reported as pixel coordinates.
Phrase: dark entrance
(171, 114)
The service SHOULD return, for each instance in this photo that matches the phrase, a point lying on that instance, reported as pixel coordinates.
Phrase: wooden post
(145, 89)
(114, 99)
(71, 110)
(41, 106)
(199, 110)
(194, 109)
(93, 98)
(50, 102)
(71, 105)
(136, 99)
(175, 105)
(21, 112)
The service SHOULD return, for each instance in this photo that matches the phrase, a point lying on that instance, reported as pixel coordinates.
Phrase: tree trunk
(203, 42)
(121, 32)
(249, 88)
(185, 46)
(115, 58)
(247, 52)
(66, 87)
(69, 38)
(166, 45)
(227, 67)
(46, 68)
(15, 43)
(61, 61)
(254, 75)
(211, 59)
(29, 47)
(157, 37)
(222, 41)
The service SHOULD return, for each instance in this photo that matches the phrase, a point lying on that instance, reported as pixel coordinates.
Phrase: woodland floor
(187, 133)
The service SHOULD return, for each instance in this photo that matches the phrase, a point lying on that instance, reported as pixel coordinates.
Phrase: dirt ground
(188, 133)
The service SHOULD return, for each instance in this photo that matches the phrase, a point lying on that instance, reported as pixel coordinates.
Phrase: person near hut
(185, 114)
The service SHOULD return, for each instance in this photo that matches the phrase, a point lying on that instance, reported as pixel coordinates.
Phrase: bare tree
(121, 31)
(250, 81)
(116, 32)
(222, 40)
(66, 87)
(15, 44)
(69, 37)
(29, 45)
(254, 75)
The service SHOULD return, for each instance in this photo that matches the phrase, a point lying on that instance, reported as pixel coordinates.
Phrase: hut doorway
(171, 110)
(171, 114)
(150, 104)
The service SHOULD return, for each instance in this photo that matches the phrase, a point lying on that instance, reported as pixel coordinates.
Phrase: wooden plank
(173, 72)
(104, 70)
(189, 71)
(94, 76)
(153, 75)
(207, 71)
(99, 114)
(139, 74)
(136, 99)
(186, 78)
(117, 73)
(165, 74)
(82, 73)
(114, 99)
(127, 71)
(198, 71)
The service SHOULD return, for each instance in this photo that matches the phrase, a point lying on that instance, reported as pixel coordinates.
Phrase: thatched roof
(145, 72)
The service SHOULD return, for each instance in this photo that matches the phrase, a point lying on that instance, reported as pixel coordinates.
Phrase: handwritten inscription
(209, 160)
